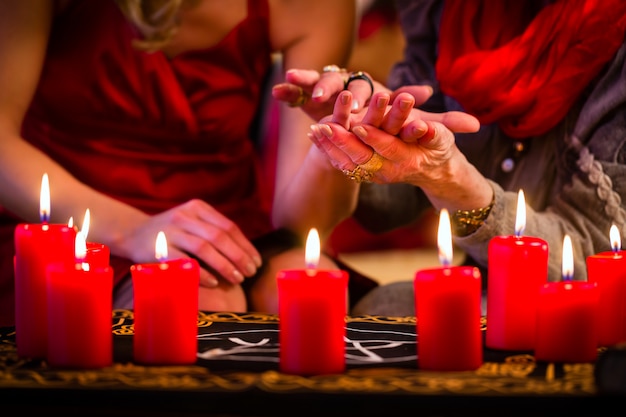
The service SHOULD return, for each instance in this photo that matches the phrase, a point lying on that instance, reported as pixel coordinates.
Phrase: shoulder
(293, 20)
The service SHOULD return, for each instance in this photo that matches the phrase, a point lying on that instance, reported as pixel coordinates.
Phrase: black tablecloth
(237, 374)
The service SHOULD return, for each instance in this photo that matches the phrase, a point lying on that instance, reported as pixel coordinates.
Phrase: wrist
(466, 222)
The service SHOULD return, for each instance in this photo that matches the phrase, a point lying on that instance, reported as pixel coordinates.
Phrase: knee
(263, 295)
(222, 298)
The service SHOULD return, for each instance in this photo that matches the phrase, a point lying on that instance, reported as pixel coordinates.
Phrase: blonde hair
(157, 20)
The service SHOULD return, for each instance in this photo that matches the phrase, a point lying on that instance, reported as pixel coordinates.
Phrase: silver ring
(332, 68)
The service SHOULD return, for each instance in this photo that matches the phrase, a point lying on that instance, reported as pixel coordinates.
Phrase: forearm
(20, 192)
(318, 195)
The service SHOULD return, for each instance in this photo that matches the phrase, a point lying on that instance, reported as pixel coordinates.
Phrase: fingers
(341, 111)
(397, 116)
(344, 150)
(362, 88)
(376, 110)
(330, 83)
(216, 242)
(456, 121)
(421, 93)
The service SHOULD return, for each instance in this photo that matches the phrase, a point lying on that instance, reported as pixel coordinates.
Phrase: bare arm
(309, 191)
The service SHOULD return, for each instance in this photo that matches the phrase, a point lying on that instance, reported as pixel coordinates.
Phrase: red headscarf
(521, 64)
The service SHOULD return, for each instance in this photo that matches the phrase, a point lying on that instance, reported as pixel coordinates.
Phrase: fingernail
(430, 89)
(405, 104)
(420, 128)
(345, 97)
(317, 92)
(257, 261)
(326, 130)
(381, 103)
(360, 132)
(250, 269)
(238, 276)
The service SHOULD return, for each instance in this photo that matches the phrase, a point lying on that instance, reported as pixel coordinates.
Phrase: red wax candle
(608, 271)
(36, 246)
(447, 305)
(567, 317)
(312, 311)
(98, 254)
(517, 268)
(166, 309)
(80, 299)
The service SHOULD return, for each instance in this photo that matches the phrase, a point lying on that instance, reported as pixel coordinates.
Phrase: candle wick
(568, 277)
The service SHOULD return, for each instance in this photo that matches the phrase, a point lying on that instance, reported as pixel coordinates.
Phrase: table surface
(237, 373)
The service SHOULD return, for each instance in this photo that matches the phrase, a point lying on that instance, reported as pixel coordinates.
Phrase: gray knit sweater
(573, 177)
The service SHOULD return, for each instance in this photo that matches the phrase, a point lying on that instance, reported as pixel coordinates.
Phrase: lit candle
(36, 246)
(517, 268)
(312, 306)
(608, 271)
(166, 309)
(447, 305)
(567, 317)
(80, 300)
(98, 254)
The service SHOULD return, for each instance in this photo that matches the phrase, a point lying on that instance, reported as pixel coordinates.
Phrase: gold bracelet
(466, 222)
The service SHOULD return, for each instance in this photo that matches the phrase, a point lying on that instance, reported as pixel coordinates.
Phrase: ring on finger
(301, 100)
(332, 68)
(359, 75)
(365, 172)
(374, 164)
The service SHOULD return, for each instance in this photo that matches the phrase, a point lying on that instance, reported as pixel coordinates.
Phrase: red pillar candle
(567, 317)
(166, 309)
(517, 268)
(608, 271)
(98, 254)
(80, 301)
(447, 305)
(312, 311)
(36, 246)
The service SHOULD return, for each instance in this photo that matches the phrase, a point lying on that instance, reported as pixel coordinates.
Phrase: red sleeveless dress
(148, 130)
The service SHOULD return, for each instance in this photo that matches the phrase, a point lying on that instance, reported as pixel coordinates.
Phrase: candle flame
(312, 251)
(160, 247)
(44, 199)
(616, 241)
(70, 222)
(444, 238)
(520, 217)
(80, 247)
(568, 259)
(86, 224)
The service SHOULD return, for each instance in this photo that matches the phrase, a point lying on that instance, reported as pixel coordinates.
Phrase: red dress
(148, 130)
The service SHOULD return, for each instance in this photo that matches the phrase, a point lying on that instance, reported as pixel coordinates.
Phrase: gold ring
(373, 164)
(365, 171)
(301, 100)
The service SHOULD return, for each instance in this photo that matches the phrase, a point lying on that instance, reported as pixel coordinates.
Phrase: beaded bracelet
(466, 222)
